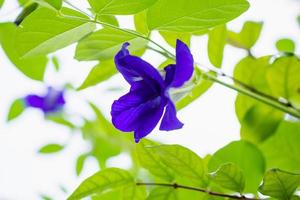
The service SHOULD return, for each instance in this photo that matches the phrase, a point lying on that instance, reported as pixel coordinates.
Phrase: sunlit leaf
(16, 109)
(80, 163)
(247, 37)
(189, 16)
(44, 31)
(1, 3)
(286, 45)
(119, 7)
(140, 23)
(51, 148)
(216, 42)
(279, 184)
(247, 157)
(105, 180)
(171, 37)
(105, 43)
(134, 192)
(32, 67)
(56, 4)
(163, 193)
(108, 19)
(55, 63)
(101, 72)
(230, 177)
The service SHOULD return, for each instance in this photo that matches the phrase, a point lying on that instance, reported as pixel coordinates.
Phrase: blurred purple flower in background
(143, 106)
(51, 102)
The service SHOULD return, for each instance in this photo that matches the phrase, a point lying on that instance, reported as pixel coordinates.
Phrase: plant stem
(175, 186)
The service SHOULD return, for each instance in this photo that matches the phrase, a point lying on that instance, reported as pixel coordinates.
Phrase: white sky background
(210, 123)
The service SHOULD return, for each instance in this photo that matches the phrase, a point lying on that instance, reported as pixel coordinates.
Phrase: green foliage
(286, 45)
(140, 23)
(105, 43)
(171, 37)
(282, 150)
(119, 7)
(55, 63)
(27, 10)
(51, 148)
(32, 67)
(56, 4)
(44, 31)
(80, 163)
(283, 78)
(247, 37)
(191, 16)
(16, 109)
(216, 42)
(280, 184)
(105, 180)
(108, 19)
(162, 193)
(229, 176)
(247, 157)
(1, 3)
(101, 72)
(24, 2)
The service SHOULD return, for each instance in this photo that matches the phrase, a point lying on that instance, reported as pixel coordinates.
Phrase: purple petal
(135, 69)
(34, 101)
(170, 121)
(184, 65)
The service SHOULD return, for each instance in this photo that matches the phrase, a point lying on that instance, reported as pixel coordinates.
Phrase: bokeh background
(210, 122)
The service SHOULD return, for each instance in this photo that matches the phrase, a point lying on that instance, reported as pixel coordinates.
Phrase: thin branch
(175, 186)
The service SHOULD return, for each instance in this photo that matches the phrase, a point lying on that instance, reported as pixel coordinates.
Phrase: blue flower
(51, 102)
(148, 100)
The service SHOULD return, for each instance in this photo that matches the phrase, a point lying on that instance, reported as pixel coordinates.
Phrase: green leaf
(163, 193)
(44, 31)
(27, 10)
(16, 109)
(55, 63)
(60, 119)
(151, 161)
(200, 86)
(105, 180)
(183, 161)
(80, 163)
(283, 79)
(51, 148)
(216, 42)
(282, 150)
(134, 192)
(101, 72)
(108, 19)
(247, 37)
(56, 4)
(140, 23)
(119, 7)
(1, 3)
(171, 37)
(31, 67)
(247, 157)
(24, 2)
(190, 16)
(280, 184)
(286, 45)
(229, 176)
(105, 43)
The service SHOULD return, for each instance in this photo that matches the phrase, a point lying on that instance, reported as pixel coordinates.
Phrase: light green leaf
(27, 10)
(60, 119)
(190, 15)
(282, 150)
(101, 72)
(44, 31)
(110, 195)
(283, 79)
(216, 42)
(134, 192)
(140, 23)
(105, 43)
(56, 4)
(51, 148)
(55, 63)
(183, 161)
(280, 184)
(1, 3)
(163, 193)
(16, 109)
(108, 19)
(105, 180)
(200, 86)
(151, 161)
(286, 45)
(24, 2)
(119, 7)
(171, 37)
(229, 176)
(80, 163)
(247, 157)
(32, 67)
(247, 37)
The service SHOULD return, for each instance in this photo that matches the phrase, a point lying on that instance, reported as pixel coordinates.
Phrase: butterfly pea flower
(148, 100)
(51, 102)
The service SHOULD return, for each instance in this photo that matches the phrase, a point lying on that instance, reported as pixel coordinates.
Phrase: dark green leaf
(35, 37)
(32, 67)
(105, 180)
(280, 184)
(190, 16)
(105, 43)
(247, 157)
(286, 45)
(216, 42)
(247, 37)
(16, 109)
(101, 72)
(229, 176)
(51, 148)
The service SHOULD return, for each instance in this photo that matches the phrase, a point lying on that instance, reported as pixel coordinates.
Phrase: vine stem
(244, 90)
(176, 186)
